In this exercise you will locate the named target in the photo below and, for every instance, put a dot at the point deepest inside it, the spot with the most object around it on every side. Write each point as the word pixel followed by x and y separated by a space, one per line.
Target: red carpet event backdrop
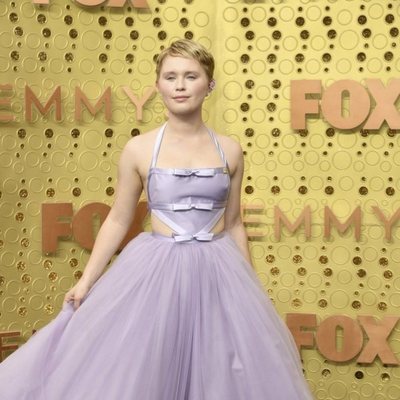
pixel 309 88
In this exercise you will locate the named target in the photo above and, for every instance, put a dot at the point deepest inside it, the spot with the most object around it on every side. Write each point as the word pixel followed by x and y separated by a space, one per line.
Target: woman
pixel 180 315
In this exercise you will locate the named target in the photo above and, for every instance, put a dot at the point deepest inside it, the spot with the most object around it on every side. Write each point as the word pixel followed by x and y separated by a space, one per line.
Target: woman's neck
pixel 185 126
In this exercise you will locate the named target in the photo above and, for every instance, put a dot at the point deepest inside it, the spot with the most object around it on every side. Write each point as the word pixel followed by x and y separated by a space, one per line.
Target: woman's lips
pixel 180 98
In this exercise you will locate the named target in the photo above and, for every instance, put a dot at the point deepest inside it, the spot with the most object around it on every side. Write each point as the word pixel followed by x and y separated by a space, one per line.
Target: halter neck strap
pixel 157 145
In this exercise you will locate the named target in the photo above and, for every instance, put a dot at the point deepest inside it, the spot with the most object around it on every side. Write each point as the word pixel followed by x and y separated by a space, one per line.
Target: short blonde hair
pixel 188 49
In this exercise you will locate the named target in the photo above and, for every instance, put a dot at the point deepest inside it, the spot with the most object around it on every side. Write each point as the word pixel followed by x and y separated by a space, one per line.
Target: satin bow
pixel 197 172
pixel 198 206
pixel 201 237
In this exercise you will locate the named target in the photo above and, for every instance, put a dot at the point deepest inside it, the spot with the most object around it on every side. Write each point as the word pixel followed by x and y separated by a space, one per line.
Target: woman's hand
pixel 77 293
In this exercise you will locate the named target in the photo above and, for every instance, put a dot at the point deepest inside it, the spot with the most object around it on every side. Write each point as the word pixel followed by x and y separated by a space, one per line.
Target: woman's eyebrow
pixel 177 72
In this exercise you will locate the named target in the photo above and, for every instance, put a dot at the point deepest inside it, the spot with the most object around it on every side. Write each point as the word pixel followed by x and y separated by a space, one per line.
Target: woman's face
pixel 183 85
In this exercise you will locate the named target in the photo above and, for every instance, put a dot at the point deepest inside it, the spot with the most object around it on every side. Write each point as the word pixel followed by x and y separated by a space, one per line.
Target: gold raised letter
pixel 5 102
pixel 295 323
pixel 300 103
pixel 139 103
pixel 388 223
pixel 105 99
pixel 8 347
pixel 249 221
pixel 304 217
pixel 332 101
pixel 30 98
pixel 327 338
pixel 331 218
pixel 90 3
pixel 52 228
pixel 385 108
pixel 378 332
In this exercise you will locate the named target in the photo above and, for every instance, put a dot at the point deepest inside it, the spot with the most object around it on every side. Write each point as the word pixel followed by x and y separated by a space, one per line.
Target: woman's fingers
pixel 71 298
pixel 66 298
pixel 75 296
pixel 76 303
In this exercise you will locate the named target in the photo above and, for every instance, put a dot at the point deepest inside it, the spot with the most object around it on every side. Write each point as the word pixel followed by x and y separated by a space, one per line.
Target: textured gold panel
pixel 259 47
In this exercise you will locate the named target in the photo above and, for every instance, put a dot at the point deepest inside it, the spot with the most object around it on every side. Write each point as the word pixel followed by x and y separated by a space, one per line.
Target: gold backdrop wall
pixel 260 46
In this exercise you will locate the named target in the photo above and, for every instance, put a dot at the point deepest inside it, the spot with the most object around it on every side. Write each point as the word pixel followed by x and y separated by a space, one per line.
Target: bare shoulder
pixel 139 148
pixel 140 142
pixel 232 149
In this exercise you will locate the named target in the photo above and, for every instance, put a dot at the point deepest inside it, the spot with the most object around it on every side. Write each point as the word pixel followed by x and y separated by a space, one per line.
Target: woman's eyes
pixel 191 77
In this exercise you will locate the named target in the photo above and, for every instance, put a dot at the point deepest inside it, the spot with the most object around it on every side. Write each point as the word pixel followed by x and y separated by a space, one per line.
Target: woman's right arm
pixel 115 226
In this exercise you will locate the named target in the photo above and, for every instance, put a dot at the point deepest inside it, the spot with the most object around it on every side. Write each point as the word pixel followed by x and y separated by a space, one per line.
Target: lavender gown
pixel 174 318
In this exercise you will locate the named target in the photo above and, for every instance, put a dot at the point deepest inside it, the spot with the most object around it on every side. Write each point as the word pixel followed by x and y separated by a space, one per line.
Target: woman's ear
pixel 211 85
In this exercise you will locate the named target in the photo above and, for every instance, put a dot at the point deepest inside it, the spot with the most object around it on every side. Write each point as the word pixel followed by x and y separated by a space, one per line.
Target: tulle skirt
pixel 167 321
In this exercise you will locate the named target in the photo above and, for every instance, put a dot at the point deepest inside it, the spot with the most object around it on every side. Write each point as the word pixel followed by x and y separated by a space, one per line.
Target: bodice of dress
pixel 188 200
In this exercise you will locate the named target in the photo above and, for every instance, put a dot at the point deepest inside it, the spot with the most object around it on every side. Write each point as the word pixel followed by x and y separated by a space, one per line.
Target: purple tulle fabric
pixel 167 321
pixel 174 318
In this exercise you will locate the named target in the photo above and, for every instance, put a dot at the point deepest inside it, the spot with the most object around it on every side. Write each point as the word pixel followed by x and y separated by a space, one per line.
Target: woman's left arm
pixel 233 219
